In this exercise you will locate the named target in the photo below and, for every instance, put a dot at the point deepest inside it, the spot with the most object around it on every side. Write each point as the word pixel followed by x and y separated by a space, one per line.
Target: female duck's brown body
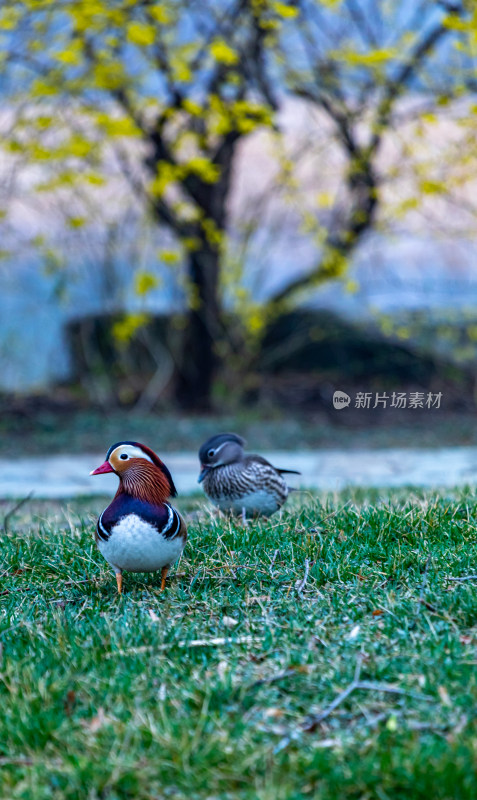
pixel 238 483
pixel 139 531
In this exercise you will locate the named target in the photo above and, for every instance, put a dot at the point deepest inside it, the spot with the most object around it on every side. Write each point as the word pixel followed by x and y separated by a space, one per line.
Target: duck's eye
pixel 210 453
pixel 124 456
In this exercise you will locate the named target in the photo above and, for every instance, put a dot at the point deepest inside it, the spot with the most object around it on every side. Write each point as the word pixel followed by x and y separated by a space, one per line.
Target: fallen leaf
pixel 303 669
pixel 258 657
pixel 326 743
pixel 96 722
pixel 273 713
pixel 153 615
pixel 69 702
pixel 377 612
pixel 229 622
pixel 222 667
pixel 391 724
pixel 315 641
pixel 258 598
pixel 277 730
pixel 354 633
pixel 444 695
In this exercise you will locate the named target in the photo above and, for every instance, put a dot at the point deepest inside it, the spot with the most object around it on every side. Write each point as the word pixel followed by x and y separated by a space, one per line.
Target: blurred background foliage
pixel 187 187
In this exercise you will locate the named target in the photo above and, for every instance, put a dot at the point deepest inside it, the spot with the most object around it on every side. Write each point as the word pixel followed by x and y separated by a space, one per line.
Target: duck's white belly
pixel 258 502
pixel 137 546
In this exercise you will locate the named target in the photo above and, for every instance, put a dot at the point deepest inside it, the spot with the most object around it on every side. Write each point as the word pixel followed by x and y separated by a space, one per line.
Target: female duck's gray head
pixel 225 448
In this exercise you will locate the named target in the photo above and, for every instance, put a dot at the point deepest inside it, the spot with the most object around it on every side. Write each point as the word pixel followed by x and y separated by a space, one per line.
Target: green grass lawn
pixel 223 686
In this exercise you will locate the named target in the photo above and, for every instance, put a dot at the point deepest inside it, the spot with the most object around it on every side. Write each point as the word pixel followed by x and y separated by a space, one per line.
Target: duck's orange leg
pixel 164 572
pixel 119 581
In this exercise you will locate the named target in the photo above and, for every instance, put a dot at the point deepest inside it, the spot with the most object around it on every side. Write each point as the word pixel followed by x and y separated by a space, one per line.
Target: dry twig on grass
pixel 14 510
pixel 278 676
pixel 311 723
pixel 215 642
pixel 35 588
pixel 302 583
pixel 16 761
pixel 276 553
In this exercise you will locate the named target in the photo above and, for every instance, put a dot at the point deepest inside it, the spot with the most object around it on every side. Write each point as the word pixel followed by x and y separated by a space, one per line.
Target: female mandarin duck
pixel 140 531
pixel 237 482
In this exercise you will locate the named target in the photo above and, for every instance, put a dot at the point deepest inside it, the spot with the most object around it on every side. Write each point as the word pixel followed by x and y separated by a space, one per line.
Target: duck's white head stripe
pixel 217 449
pixel 131 451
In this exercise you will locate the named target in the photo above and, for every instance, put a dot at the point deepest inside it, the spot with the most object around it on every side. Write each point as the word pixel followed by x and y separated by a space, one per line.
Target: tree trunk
pixel 204 330
pixel 199 358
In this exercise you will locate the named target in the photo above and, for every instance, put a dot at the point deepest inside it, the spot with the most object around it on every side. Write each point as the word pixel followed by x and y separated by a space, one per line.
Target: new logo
pixel 341 399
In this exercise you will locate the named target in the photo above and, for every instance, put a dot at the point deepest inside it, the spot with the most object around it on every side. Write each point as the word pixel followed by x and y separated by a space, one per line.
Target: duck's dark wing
pixel 261 460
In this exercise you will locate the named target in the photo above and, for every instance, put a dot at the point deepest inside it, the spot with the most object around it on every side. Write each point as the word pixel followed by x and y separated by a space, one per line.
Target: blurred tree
pixel 355 61
pixel 182 83
pixel 186 80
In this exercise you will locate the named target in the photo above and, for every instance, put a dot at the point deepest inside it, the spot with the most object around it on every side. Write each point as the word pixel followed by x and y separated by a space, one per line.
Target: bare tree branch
pixel 362 22
pixel 361 171
pixel 407 71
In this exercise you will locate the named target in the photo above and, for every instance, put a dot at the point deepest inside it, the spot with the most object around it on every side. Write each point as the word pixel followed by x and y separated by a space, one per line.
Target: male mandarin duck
pixel 140 531
pixel 240 483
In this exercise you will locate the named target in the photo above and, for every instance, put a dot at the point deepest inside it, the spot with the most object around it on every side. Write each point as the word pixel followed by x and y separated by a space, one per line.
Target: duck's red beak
pixel 106 467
